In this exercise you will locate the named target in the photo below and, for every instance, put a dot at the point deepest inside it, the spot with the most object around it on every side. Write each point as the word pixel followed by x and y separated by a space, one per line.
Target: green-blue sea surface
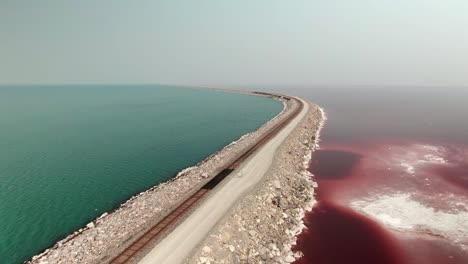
pixel 70 153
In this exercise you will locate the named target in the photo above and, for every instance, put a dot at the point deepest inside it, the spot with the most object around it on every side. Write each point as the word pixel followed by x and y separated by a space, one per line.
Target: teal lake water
pixel 70 153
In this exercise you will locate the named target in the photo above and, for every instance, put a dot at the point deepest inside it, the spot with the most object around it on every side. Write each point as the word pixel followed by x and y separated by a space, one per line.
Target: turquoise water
pixel 70 153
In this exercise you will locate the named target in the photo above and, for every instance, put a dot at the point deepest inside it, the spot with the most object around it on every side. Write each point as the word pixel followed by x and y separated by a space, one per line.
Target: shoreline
pixel 103 238
pixel 279 201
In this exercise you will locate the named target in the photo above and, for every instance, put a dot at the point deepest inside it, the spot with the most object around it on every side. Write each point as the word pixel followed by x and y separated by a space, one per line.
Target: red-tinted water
pixel 392 176
pixel 337 234
pixel 387 203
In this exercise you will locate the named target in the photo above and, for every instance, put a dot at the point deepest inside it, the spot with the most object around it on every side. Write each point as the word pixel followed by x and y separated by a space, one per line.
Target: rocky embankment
pixel 111 233
pixel 263 226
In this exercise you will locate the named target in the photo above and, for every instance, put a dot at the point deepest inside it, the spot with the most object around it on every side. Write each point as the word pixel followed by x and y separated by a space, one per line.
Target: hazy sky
pixel 232 43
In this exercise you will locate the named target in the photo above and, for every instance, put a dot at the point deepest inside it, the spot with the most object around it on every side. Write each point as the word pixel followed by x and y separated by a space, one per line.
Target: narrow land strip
pixel 156 233
pixel 177 246
pixel 262 226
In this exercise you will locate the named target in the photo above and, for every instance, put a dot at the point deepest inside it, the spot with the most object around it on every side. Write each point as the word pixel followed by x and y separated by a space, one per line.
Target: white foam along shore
pixel 103 238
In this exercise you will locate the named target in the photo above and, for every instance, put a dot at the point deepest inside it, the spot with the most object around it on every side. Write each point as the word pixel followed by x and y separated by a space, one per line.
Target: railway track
pixel 172 219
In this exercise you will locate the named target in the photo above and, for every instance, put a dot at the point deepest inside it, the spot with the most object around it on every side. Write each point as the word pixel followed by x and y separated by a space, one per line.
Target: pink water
pixel 397 203
pixel 392 176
